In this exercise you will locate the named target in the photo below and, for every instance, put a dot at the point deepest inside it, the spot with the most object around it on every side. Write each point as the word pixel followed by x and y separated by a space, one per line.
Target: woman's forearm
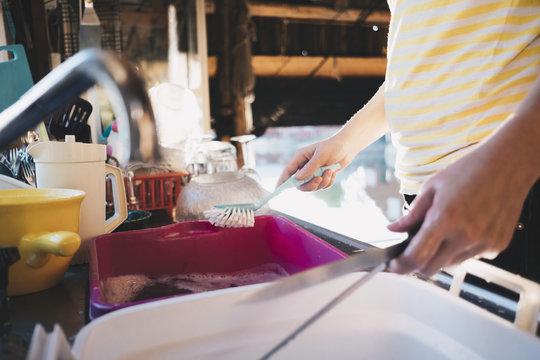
pixel 471 207
pixel 367 125
pixel 515 147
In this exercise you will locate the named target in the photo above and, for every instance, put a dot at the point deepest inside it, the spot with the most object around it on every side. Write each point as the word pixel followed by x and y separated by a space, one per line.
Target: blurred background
pixel 285 73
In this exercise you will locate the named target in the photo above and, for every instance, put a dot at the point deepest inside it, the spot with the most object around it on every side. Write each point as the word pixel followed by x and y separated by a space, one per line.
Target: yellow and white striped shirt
pixel 456 70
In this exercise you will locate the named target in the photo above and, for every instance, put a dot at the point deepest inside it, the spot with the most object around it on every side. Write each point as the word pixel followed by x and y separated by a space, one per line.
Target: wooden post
pixel 234 74
pixel 224 105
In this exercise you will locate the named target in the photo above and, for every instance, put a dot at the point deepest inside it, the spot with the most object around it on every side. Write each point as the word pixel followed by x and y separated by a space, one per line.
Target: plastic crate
pixel 198 247
pixel 156 192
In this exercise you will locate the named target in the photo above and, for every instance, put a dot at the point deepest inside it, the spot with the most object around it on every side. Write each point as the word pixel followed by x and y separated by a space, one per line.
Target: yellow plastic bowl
pixel 43 224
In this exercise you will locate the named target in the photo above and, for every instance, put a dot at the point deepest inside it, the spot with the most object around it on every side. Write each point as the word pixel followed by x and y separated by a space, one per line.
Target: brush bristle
pixel 231 217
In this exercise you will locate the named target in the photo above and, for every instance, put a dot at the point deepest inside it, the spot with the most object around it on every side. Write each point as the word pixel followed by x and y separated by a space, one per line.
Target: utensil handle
pixel 528 305
pixel 35 249
pixel 119 196
pixel 294 182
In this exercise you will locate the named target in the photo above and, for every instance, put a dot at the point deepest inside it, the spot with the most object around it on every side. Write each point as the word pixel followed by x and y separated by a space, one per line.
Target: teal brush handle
pixel 293 182
pixel 289 183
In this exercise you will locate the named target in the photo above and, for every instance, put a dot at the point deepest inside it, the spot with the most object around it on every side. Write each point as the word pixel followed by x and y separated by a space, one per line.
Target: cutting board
pixel 15 75
pixel 16 80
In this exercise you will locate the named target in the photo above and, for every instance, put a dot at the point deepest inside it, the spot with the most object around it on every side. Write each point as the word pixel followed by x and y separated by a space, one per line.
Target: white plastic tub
pixel 390 317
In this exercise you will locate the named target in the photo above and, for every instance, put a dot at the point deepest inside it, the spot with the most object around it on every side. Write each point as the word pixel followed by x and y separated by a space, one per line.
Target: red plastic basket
pixel 155 192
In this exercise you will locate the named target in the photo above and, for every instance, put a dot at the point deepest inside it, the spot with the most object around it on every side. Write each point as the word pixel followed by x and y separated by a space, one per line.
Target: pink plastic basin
pixel 199 247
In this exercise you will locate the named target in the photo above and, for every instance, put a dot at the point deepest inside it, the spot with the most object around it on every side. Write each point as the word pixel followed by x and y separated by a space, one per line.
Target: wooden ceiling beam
pixel 306 12
pixel 312 66
pixel 150 17
pixel 317 13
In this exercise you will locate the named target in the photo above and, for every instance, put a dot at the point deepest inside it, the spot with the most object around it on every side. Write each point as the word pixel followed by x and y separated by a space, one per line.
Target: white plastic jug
pixel 74 165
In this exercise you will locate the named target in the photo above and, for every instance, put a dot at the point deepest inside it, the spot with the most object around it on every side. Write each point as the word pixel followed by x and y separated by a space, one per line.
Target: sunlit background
pixel 364 199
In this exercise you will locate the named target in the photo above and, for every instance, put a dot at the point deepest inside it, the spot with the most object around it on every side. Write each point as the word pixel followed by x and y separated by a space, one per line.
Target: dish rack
pixel 421 320
pixel 155 192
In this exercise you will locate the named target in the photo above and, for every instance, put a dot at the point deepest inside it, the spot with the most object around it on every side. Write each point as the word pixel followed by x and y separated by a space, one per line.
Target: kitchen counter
pixel 67 303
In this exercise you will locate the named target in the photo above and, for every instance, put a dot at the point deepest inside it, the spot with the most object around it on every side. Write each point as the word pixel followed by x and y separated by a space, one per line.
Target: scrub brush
pixel 243 215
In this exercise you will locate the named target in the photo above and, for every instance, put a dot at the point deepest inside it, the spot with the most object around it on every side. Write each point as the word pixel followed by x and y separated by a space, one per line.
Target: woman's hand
pixel 362 129
pixel 470 209
pixel 308 159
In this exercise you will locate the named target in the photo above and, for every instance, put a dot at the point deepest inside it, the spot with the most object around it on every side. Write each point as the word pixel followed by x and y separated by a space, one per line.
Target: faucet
pixel 124 87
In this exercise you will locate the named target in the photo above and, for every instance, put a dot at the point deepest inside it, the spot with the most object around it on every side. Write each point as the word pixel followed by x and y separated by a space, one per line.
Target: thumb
pixel 416 215
pixel 309 168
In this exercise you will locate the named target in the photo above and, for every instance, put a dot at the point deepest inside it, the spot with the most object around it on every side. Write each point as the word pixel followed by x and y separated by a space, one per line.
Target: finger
pixel 329 178
pixel 332 180
pixel 326 179
pixel 309 168
pixel 288 171
pixel 422 248
pixel 312 185
pixel 415 216
pixel 489 254
pixel 465 255
pixel 451 253
pixel 444 256
pixel 300 158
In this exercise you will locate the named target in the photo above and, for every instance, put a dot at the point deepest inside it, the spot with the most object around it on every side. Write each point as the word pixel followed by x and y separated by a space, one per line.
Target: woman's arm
pixel 366 126
pixel 472 207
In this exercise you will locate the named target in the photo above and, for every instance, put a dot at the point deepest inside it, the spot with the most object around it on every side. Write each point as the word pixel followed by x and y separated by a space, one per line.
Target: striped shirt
pixel 457 69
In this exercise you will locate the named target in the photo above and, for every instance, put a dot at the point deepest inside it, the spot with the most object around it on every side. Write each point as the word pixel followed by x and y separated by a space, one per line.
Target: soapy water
pixel 135 287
